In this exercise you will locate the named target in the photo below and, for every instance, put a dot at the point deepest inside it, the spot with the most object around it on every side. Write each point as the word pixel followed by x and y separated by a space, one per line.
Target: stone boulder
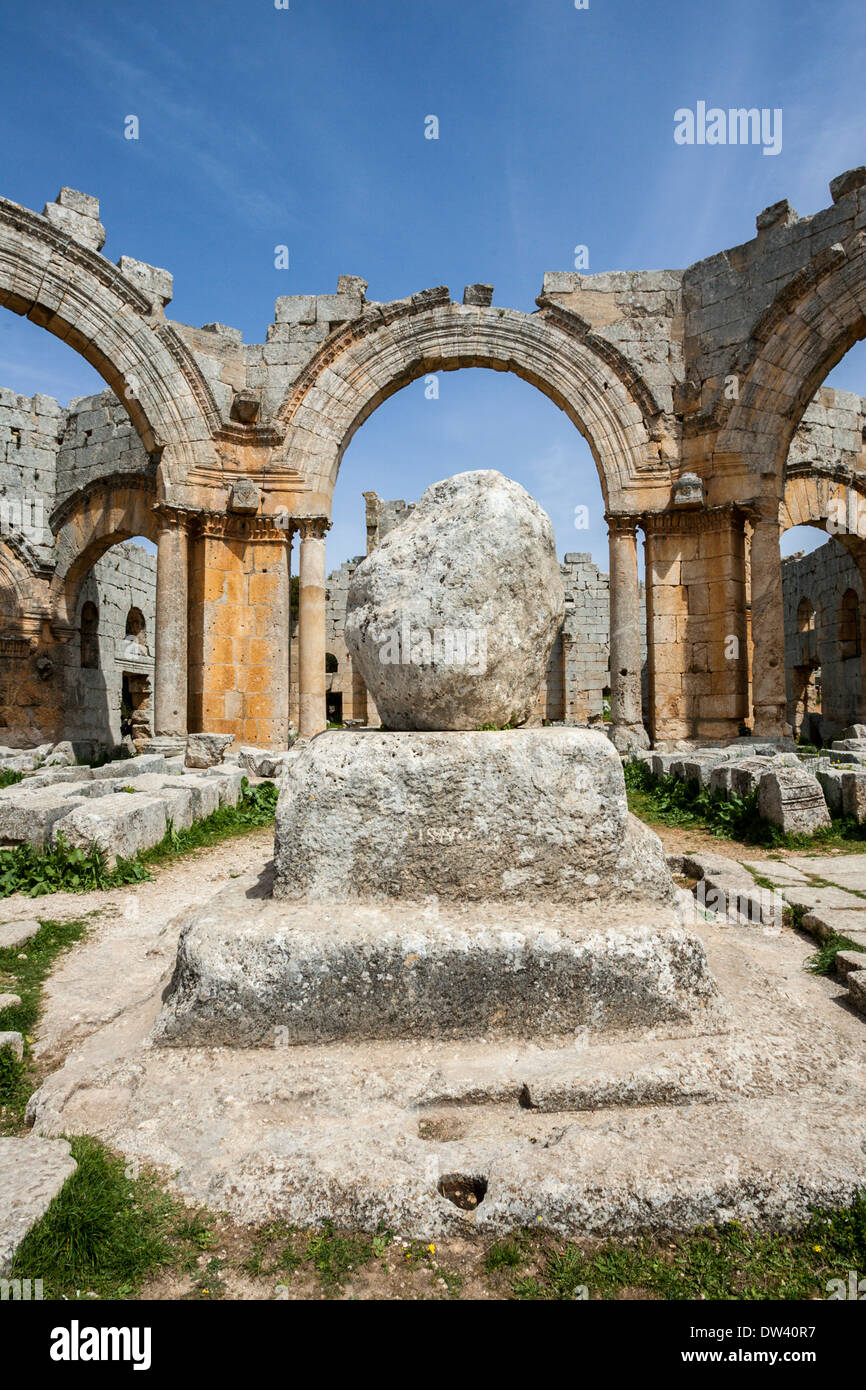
pixel 792 799
pixel 452 618
pixel 207 750
pixel 521 815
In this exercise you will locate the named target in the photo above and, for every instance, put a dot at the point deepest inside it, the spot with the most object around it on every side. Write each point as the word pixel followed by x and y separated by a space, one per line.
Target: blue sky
pixel 305 127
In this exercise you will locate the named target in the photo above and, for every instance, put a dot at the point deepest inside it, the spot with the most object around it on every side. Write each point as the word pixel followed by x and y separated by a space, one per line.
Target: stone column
pixel 625 645
pixel 769 690
pixel 170 673
pixel 312 715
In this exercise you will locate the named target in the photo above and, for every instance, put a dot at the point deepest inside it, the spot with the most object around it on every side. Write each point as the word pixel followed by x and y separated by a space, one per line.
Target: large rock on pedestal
pixel 451 619
pixel 520 815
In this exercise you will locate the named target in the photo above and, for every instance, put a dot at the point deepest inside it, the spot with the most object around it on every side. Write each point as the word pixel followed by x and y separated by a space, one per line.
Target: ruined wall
pixel 123 580
pixel 48 453
pixel 824 658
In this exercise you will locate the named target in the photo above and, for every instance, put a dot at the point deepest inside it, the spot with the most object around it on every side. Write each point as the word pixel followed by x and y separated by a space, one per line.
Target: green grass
pixel 728 1262
pixel 26 977
pixel 8 778
pixel 113 1228
pixel 62 869
pixel 105 1232
pixel 823 962
pixel 671 801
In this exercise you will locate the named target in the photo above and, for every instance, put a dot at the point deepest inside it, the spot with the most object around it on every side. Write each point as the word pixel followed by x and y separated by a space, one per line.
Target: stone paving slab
pixel 14 934
pixel 32 1172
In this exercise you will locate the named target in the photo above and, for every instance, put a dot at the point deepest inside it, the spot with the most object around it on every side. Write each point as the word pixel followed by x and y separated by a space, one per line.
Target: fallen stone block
pixel 15 1042
pixel 61 755
pixel 32 1172
pixel 55 776
pixel 230 783
pixel 856 983
pixel 830 779
pixel 30 817
pixel 207 750
pixel 264 762
pixel 661 764
pixel 854 795
pixel 846 961
pixel 120 825
pixel 204 790
pixel 14 934
pixel 131 767
pixel 180 803
pixel 793 800
pixel 9 1001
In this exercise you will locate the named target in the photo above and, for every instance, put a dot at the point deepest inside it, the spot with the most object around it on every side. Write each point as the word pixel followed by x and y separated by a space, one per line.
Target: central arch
pixel 393 345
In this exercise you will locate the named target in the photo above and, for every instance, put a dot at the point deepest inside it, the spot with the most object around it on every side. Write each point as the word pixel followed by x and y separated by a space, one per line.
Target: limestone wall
pixel 823 653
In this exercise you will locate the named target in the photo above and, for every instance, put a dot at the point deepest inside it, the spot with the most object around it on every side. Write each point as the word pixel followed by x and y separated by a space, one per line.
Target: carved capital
pixel 312 528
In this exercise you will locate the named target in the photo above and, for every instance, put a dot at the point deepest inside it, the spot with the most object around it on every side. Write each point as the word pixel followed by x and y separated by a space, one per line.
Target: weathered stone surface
pixel 856 982
pixel 30 817
pixel 207 750
pixel 793 800
pixel 526 814
pixel 131 767
pixel 830 779
pixel 32 1172
pixel 854 795
pixel 120 825
pixel 14 934
pixel 9 1001
pixel 452 617
pixel 846 961
pixel 263 973
pixel 265 762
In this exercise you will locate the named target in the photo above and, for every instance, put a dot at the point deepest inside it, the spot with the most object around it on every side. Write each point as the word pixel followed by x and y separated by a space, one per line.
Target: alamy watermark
pixel 439 646
pixel 715 125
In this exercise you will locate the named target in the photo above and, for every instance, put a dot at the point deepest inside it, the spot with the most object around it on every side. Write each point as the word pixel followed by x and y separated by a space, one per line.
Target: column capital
pixel 311 528
pixel 171 518
pixel 622 524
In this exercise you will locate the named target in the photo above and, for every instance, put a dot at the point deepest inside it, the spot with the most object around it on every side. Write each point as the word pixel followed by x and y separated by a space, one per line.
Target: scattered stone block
pixel 830 779
pixel 31 817
pixel 854 795
pixel 856 983
pixel 131 767
pixel 32 1172
pixel 792 799
pixel 14 934
pixel 207 750
pixel 846 961
pixel 9 1001
pixel 120 825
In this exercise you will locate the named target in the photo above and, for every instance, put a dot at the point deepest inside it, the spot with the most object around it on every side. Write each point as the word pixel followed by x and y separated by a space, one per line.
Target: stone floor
pixel 756 1123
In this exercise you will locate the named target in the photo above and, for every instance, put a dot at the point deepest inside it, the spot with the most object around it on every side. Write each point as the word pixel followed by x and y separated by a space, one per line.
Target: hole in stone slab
pixel 465 1191
pixel 524 1100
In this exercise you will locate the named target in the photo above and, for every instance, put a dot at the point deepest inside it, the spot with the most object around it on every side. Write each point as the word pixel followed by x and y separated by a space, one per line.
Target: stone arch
pixel 89 523
pixel 75 293
pixel 816 318
pixel 389 347
pixel 835 503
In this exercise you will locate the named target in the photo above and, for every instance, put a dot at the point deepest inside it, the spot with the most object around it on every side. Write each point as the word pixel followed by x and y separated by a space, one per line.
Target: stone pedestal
pixel 446 885
pixel 522 815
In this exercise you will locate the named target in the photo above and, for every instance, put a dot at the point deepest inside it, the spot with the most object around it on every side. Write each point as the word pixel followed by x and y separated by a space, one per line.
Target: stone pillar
pixel 172 584
pixel 312 717
pixel 625 645
pixel 769 686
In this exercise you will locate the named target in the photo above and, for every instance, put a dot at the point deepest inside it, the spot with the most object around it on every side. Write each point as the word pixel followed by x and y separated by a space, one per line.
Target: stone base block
pixel 527 815
pixel 260 973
